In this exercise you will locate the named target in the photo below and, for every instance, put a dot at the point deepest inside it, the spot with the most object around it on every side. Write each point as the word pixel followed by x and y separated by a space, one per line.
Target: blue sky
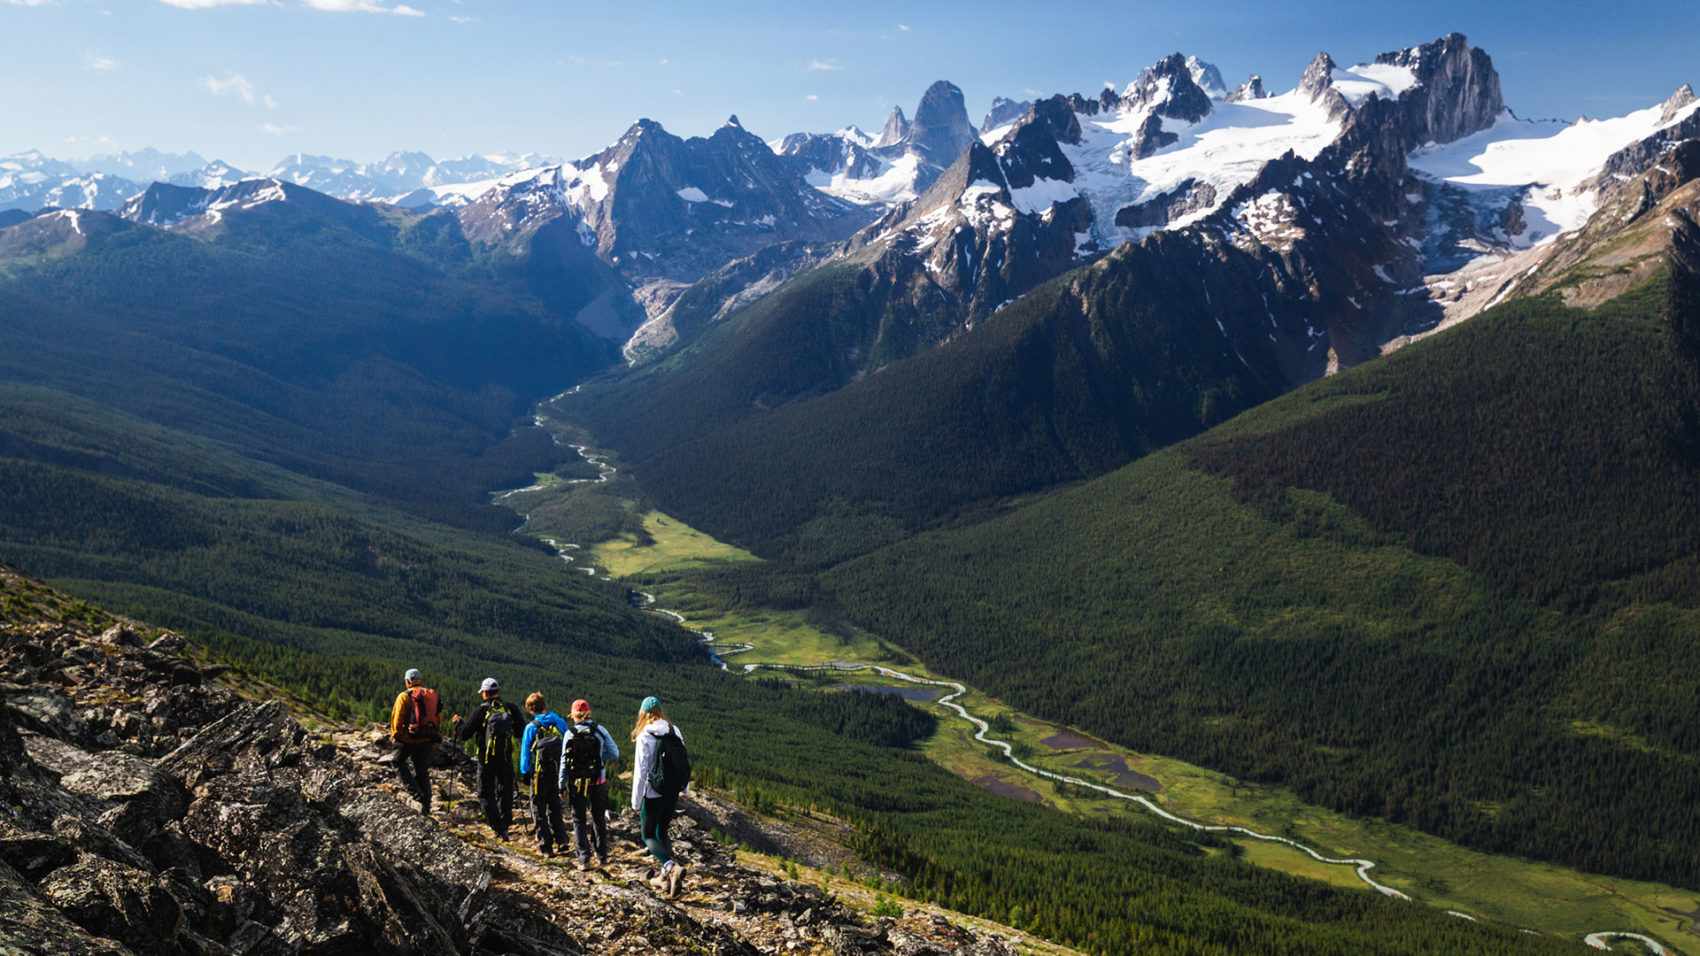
pixel 250 82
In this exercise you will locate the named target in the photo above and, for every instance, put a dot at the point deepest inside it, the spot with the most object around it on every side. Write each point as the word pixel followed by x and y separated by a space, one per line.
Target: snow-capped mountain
pixel 1449 194
pixel 899 164
pixel 401 178
pixel 144 166
pixel 658 207
pixel 1004 112
pixel 1339 211
pixel 32 181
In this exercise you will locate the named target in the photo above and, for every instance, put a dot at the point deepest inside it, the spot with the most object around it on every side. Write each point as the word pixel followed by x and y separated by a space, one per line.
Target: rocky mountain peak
pixel 1318 77
pixel 895 131
pixel 1057 118
pixel 941 128
pixel 1207 77
pixel 1167 88
pixel 1678 101
pixel 1003 112
pixel 1457 89
pixel 1251 89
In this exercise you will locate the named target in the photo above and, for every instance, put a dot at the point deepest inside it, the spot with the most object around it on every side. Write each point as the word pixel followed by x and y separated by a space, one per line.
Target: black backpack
pixel 498 733
pixel 582 756
pixel 672 770
pixel 545 755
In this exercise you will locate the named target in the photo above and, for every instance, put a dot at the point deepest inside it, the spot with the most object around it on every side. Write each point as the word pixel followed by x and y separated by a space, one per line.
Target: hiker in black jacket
pixel 496 725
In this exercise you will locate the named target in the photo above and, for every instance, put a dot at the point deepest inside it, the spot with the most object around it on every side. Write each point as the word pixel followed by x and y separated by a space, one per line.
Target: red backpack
pixel 422 722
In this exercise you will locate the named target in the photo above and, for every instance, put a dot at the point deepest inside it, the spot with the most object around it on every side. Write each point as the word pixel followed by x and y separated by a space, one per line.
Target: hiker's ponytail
pixel 646 718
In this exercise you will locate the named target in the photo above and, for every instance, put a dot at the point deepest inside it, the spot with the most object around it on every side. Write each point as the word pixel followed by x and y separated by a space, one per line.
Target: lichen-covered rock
pixel 34 855
pixel 30 924
pixel 137 798
pixel 117 902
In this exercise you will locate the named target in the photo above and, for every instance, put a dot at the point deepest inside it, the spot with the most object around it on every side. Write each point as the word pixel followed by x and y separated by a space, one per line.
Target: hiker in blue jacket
pixel 540 769
pixel 585 755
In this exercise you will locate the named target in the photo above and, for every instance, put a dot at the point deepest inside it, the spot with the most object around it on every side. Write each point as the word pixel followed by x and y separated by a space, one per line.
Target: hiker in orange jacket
pixel 413 728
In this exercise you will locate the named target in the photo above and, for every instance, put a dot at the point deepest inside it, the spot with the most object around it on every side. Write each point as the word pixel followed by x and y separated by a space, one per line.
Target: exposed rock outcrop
pixel 1251 89
pixel 941 129
pixel 147 809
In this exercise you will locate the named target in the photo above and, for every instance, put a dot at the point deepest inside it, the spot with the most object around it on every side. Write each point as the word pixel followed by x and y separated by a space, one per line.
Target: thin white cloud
pixel 811 97
pixel 463 19
pixel 363 6
pixel 904 27
pixel 30 3
pixel 237 85
pixel 272 129
pixel 828 65
pixel 208 4
pixel 96 62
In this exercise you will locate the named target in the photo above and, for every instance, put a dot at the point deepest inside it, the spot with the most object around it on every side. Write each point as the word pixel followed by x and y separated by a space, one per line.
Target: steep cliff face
pixel 146 808
pixel 1456 91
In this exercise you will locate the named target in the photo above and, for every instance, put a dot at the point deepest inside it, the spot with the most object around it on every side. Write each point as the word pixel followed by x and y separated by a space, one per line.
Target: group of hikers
pixel 558 757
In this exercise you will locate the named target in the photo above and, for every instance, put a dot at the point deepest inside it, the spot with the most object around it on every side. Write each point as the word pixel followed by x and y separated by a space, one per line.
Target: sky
pixel 252 81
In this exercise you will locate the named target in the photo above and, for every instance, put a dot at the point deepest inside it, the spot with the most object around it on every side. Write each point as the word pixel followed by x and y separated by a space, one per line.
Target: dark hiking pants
pixel 413 769
pixel 550 826
pixel 496 795
pixel 590 836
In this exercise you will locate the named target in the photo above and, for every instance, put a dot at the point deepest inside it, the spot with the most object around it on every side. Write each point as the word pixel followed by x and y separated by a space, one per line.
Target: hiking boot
pixel 583 865
pixel 549 852
pixel 675 879
pixel 602 861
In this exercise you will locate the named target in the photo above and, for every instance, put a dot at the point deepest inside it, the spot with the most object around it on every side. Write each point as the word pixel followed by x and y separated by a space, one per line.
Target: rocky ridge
pixel 149 808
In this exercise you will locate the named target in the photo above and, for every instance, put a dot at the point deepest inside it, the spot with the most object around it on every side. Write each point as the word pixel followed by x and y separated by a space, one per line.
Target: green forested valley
pixel 1453 588
pixel 283 472
pixel 1075 378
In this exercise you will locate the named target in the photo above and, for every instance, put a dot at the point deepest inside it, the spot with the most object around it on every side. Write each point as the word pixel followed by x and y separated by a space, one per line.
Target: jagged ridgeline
pixel 1000 370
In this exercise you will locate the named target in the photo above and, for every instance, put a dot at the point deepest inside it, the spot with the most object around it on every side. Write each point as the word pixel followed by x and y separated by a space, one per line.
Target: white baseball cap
pixel 490 684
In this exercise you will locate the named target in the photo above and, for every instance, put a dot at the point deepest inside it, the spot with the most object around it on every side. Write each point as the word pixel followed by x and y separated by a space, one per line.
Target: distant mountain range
pixel 32 181
pixel 1039 188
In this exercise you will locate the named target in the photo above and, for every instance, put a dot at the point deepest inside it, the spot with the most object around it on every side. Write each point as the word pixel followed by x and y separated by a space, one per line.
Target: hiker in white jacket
pixel 656 808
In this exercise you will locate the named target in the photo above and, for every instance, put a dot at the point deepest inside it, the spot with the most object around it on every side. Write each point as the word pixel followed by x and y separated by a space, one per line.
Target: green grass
pixel 674 547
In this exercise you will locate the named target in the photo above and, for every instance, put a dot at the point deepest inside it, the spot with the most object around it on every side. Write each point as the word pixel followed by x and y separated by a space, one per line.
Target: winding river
pixel 717 653
pixel 1362 867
